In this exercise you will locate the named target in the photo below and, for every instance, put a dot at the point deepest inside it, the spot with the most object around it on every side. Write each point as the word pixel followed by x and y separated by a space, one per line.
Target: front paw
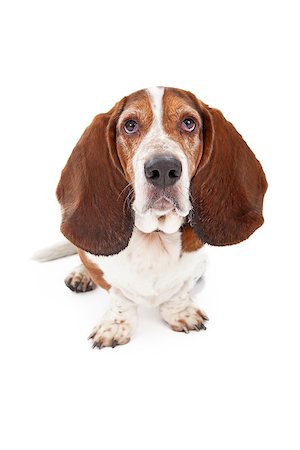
pixel 111 333
pixel 190 318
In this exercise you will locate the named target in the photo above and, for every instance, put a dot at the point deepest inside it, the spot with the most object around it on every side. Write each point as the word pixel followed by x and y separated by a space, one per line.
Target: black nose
pixel 163 171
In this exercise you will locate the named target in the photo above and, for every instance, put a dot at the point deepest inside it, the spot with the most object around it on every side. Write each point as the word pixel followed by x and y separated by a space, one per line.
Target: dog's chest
pixel 152 268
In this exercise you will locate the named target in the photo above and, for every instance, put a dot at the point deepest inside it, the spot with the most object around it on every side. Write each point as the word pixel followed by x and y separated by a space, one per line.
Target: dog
pixel 147 186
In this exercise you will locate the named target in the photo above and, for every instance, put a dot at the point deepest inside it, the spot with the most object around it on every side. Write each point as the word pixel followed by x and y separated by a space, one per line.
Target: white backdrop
pixel 235 386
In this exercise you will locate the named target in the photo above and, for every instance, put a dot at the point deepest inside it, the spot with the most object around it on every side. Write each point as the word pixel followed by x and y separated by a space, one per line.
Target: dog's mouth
pixel 163 210
pixel 163 205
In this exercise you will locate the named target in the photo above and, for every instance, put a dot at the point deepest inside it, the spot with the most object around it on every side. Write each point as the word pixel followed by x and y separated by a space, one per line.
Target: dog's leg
pixel 79 280
pixel 182 314
pixel 117 324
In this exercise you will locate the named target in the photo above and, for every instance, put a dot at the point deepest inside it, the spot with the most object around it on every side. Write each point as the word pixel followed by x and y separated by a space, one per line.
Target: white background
pixel 235 386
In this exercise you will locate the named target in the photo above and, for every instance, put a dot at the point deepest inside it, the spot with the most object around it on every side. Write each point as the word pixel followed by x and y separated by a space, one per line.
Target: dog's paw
pixel 190 318
pixel 111 333
pixel 79 281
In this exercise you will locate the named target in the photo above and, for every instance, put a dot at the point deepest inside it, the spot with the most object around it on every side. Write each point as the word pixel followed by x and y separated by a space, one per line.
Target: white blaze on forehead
pixel 156 141
pixel 156 99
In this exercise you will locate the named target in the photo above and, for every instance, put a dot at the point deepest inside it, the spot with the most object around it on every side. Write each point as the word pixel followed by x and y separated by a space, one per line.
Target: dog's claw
pixel 98 345
pixel 202 315
pixel 114 343
pixel 90 286
pixel 91 335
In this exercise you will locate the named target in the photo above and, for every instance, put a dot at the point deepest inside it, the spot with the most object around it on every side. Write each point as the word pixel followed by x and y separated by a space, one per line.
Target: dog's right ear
pixel 92 190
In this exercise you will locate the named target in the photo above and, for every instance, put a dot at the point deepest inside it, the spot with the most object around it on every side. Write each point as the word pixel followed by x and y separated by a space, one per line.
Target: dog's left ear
pixel 228 187
pixel 92 190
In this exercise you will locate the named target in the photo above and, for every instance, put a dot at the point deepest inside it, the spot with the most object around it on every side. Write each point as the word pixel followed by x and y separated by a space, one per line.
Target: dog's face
pixel 159 142
pixel 160 157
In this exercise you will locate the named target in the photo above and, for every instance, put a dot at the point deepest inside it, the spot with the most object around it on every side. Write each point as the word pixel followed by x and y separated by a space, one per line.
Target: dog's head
pixel 158 158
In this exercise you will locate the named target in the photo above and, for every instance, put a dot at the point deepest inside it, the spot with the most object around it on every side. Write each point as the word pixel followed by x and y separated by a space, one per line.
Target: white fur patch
pixel 152 269
pixel 156 98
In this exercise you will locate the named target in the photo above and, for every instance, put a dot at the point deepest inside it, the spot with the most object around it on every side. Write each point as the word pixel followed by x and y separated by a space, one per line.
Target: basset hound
pixel 147 186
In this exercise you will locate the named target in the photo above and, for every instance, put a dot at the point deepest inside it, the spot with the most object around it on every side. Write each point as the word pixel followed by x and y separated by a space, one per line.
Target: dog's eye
pixel 188 124
pixel 131 126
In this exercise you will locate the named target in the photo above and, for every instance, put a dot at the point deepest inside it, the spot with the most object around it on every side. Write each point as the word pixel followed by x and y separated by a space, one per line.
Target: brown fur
pixel 94 271
pixel 189 240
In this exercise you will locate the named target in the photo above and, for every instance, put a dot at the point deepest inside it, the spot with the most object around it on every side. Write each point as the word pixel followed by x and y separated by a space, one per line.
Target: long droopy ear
pixel 228 187
pixel 92 191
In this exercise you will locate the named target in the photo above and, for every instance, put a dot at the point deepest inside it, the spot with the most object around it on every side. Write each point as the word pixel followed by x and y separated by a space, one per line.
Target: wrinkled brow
pixel 137 105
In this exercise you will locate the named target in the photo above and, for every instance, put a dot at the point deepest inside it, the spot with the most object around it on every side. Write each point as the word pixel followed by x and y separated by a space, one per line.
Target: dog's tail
pixel 56 251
